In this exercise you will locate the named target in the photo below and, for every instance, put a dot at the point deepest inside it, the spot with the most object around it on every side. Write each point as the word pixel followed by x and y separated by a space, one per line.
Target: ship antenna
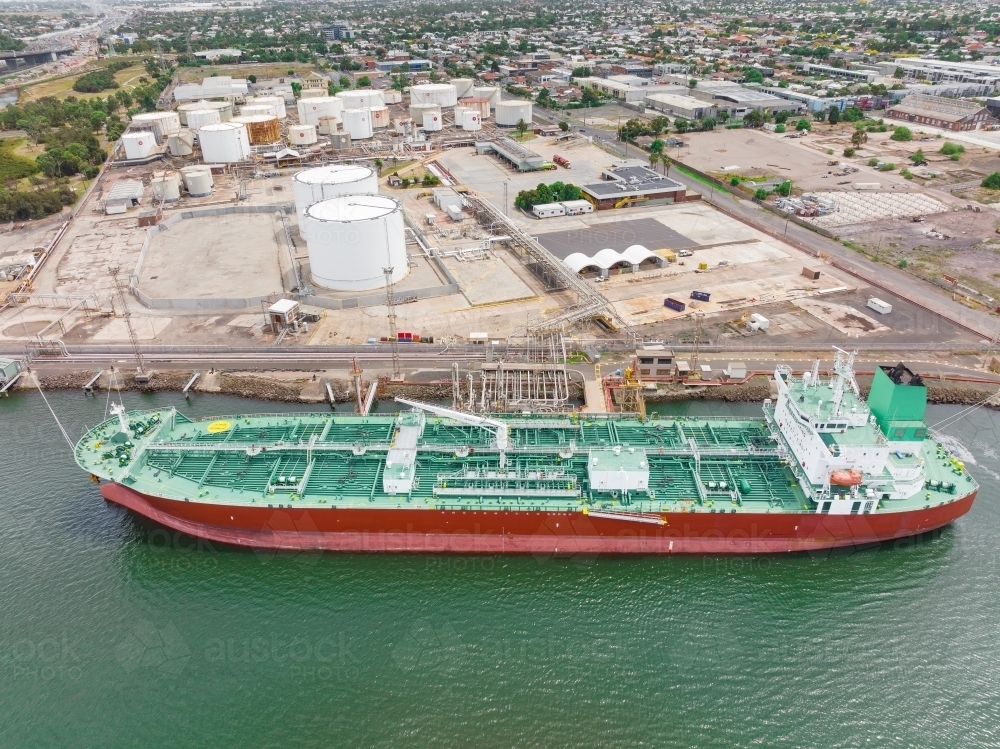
pixel 69 442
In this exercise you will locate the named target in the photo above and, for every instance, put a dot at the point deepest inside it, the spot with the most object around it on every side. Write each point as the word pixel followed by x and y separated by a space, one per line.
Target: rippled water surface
pixel 113 633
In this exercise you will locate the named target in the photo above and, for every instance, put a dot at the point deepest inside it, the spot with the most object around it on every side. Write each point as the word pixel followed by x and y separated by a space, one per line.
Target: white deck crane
pixel 497 427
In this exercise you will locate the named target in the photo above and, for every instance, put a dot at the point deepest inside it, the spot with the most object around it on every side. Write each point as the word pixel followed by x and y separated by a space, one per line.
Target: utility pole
pixel 390 301
pixel 695 372
pixel 122 288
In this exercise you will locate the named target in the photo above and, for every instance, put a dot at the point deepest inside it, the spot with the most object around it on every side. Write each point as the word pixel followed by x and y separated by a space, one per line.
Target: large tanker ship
pixel 820 468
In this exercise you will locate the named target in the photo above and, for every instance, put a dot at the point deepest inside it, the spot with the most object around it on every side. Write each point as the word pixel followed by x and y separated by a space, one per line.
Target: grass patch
pixel 698 178
pixel 13 166
pixel 62 87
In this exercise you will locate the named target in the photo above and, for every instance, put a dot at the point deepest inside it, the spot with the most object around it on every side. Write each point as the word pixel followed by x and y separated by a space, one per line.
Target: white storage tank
pixel 459 113
pixel 380 117
pixel 224 108
pixel 510 112
pixel 138 145
pixel 352 238
pixel 472 121
pixel 417 112
pixel 328 125
pixel 487 92
pixel 312 93
pixel 276 105
pixel 433 121
pixel 225 143
pixel 463 86
pixel 402 125
pixel 479 104
pixel 334 181
pixel 166 188
pixel 362 98
pixel 392 96
pixel 358 122
pixel 197 118
pixel 442 94
pixel 197 180
pixel 252 110
pixel 311 110
pixel 181 144
pixel 161 123
pixel 302 135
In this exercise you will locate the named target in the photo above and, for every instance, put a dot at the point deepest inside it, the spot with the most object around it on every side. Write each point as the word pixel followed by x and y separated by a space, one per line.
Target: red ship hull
pixel 564 533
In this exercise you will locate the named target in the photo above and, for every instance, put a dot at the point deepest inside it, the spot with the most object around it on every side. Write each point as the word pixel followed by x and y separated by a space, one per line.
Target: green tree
pixel 760 194
pixel 543 99
pixel 564 126
pixel 754 118
pixel 899 73
pixel 917 156
pixel 992 182
pixel 803 124
pixel 378 166
pixel 834 116
pixel 681 125
pixel 296 89
pixel 951 149
pixel 752 75
pixel 902 134
pixel 252 78
pixel 859 138
pixel 657 146
pixel 521 127
pixel 364 81
pixel 784 189
pixel 708 123
pixel 345 82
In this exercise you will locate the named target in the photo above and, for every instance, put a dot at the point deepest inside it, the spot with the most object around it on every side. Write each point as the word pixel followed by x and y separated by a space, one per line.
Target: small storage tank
pixel 329 125
pixel 166 188
pixel 487 92
pixel 402 125
pixel 138 145
pixel 362 98
pixel 472 121
pixel 302 135
pixel 459 113
pixel 225 143
pixel 276 105
pixel 310 110
pixel 325 182
pixel 161 123
pixel 392 96
pixel 358 122
pixel 197 180
pixel 262 128
pixel 510 112
pixel 200 117
pixel 463 86
pixel 442 94
pixel 433 121
pixel 352 238
pixel 417 112
pixel 380 117
pixel 181 144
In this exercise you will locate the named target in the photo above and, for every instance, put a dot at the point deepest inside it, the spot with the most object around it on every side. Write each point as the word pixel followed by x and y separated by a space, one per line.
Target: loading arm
pixel 495 426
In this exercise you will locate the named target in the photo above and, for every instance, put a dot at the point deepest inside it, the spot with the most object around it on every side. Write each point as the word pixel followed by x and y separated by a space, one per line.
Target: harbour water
pixel 116 633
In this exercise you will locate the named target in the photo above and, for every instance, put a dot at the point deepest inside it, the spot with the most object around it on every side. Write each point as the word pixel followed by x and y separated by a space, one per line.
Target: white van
pixel 883 308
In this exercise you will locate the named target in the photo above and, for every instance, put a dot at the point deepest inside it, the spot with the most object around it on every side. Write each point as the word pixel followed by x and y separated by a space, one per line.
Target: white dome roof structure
pixel 607 259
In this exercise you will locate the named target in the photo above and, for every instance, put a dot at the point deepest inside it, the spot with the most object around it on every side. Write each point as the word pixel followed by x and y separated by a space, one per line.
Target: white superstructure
pixel 442 94
pixel 352 239
pixel 138 145
pixel 358 123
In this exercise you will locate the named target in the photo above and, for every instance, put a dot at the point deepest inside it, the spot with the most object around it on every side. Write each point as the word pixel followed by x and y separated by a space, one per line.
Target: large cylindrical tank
pixel 276 105
pixel 311 110
pixel 225 143
pixel 262 128
pixel 417 112
pixel 138 145
pixel 161 123
pixel 197 118
pixel 197 180
pixel 351 239
pixel 334 181
pixel 442 94
pixel 181 144
pixel 463 86
pixel 459 113
pixel 224 108
pixel 511 111
pixel 380 117
pixel 487 92
pixel 433 121
pixel 167 189
pixel 329 125
pixel 392 96
pixel 472 120
pixel 301 135
pixel 361 98
pixel 312 93
pixel 358 122
pixel 402 125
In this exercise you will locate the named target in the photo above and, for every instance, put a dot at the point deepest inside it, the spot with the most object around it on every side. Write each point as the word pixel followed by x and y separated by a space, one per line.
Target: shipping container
pixel 883 308
pixel 701 296
pixel 810 273
pixel 674 304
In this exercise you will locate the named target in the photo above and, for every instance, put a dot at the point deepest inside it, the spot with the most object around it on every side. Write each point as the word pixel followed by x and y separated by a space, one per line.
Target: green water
pixel 115 634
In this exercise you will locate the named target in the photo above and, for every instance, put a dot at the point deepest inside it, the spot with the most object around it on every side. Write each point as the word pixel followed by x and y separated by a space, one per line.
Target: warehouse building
pixel 628 88
pixel 217 87
pixel 942 71
pixel 521 158
pixel 938 111
pixel 681 105
pixel 628 185
pixel 738 100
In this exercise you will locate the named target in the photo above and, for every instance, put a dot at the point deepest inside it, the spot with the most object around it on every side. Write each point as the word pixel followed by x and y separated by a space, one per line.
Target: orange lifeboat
pixel 852 477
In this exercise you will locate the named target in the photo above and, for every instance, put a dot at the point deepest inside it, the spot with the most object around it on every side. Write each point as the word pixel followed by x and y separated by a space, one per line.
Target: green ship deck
pixel 325 460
